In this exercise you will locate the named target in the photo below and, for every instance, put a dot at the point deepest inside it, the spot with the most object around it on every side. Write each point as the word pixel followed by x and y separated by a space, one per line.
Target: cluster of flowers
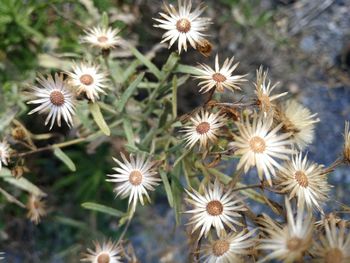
pixel 263 137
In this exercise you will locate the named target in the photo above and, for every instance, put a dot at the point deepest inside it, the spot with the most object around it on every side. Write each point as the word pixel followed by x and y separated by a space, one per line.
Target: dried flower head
pixel 183 25
pixel 260 144
pixel 334 245
pixel 346 150
pixel 134 178
pixel 36 208
pixel 107 253
pixel 229 248
pixel 219 78
pixel 305 180
pixel 103 38
pixel 205 47
pixel 204 127
pixel 287 243
pixel 214 208
pixel 4 153
pixel 263 91
pixel 88 79
pixel 299 121
pixel 55 98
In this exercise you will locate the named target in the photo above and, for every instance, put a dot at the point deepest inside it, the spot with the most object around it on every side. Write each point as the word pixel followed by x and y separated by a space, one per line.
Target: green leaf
pixel 170 64
pixel 167 187
pixel 105 20
pixel 98 117
pixel 146 62
pixel 129 91
pixel 129 132
pixel 21 183
pixel 103 209
pixel 187 69
pixel 64 158
pixel 174 97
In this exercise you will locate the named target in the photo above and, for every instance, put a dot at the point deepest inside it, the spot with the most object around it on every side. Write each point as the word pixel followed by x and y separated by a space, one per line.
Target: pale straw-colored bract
pixel 214 208
pixel 183 25
pixel 100 37
pixel 263 90
pixel 229 247
pixel 88 79
pixel 108 252
pixel 334 244
pixel 287 243
pixel 219 78
pixel 304 180
pixel 4 153
pixel 299 121
pixel 134 178
pixel 346 149
pixel 54 97
pixel 204 127
pixel 36 208
pixel 260 144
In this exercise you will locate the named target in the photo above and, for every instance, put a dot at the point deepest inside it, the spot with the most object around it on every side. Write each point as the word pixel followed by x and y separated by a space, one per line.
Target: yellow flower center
pixel 218 77
pixel 102 39
pixel 215 208
pixel 334 255
pixel 203 127
pixel 57 98
pixel 301 178
pixel 135 178
pixel 86 79
pixel 257 144
pixel 220 247
pixel 103 258
pixel 183 25
pixel 294 243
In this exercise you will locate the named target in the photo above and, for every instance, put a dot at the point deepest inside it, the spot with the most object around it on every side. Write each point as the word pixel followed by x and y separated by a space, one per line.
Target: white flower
pixel 229 248
pixel 334 245
pixel 219 78
pixel 260 144
pixel 287 243
pixel 4 153
pixel 107 253
pixel 88 78
pixel 1 255
pixel 183 25
pixel 304 180
pixel 204 127
pixel 263 91
pixel 104 38
pixel 134 178
pixel 54 97
pixel 214 208
pixel 299 121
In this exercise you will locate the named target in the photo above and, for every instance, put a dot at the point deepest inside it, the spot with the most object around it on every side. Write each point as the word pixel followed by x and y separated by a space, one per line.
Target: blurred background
pixel 305 44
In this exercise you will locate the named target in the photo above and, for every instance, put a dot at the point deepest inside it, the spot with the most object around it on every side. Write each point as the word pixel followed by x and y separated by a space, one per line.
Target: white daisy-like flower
pixel 305 180
pixel 289 242
pixel 260 144
pixel 54 97
pixel 334 245
pixel 263 91
pixel 109 252
pixel 183 25
pixel 4 153
pixel 88 79
pixel 230 248
pixel 299 121
pixel 204 127
pixel 134 178
pixel 214 208
pixel 219 78
pixel 36 208
pixel 103 38
pixel 346 150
